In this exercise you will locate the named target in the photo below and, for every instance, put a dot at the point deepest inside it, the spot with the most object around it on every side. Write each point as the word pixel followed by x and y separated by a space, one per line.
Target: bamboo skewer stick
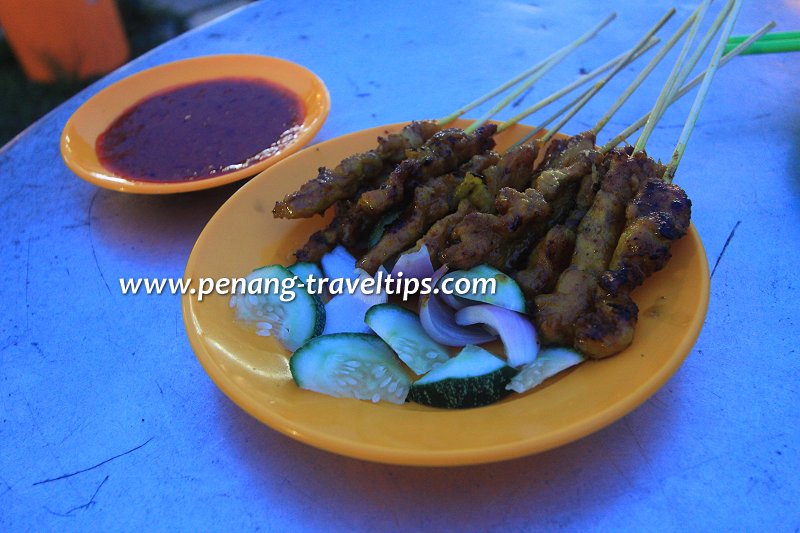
pixel 543 125
pixel 553 60
pixel 575 105
pixel 669 86
pixel 704 42
pixel 741 47
pixel 574 85
pixel 533 70
pixel 669 173
pixel 642 76
pixel 599 85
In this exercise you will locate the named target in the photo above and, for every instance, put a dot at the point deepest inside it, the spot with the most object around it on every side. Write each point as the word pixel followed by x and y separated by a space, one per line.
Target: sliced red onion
pixel 414 264
pixel 439 322
pixel 339 264
pixel 516 331
pixel 440 272
pixel 456 302
pixel 372 296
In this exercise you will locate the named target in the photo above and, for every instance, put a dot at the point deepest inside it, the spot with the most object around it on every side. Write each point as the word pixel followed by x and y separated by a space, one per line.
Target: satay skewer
pixel 372 204
pixel 548 258
pixel 659 214
pixel 487 236
pixel 561 316
pixel 502 239
pixel 333 185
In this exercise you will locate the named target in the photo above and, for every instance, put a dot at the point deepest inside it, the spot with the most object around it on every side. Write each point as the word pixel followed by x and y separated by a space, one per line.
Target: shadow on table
pixel 547 488
pixel 151 229
pixel 794 156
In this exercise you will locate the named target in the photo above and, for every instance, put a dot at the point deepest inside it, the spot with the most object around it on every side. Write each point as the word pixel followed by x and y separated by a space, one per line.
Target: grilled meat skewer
pixel 316 195
pixel 439 198
pixel 481 237
pixel 432 201
pixel 484 238
pixel 326 239
pixel 553 253
pixel 441 154
pixel 658 215
pixel 445 149
pixel 596 239
pixel 549 258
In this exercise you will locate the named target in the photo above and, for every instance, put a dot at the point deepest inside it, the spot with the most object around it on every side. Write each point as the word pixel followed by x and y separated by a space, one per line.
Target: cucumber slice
pixel 291 322
pixel 507 293
pixel 473 378
pixel 350 365
pixel 550 362
pixel 304 270
pixel 402 330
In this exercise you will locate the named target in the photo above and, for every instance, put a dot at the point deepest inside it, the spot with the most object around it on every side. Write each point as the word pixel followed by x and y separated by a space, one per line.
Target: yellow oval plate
pixel 90 120
pixel 254 372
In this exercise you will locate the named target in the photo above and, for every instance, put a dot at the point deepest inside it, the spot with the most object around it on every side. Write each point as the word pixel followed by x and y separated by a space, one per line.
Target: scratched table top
pixel 109 422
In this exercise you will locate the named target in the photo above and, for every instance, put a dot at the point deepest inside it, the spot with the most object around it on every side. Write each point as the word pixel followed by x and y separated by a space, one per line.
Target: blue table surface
pixel 106 387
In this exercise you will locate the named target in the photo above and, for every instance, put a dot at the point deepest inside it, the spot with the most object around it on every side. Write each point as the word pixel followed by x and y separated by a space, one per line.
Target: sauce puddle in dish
pixel 201 130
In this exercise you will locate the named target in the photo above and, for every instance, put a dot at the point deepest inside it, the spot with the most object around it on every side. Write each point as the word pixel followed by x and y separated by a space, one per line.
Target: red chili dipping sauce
pixel 201 130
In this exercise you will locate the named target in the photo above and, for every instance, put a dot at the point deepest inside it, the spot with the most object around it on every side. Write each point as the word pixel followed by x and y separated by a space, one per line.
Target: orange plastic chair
pixel 58 39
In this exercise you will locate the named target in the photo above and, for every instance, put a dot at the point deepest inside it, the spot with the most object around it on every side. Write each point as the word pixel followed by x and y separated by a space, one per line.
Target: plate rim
pixel 449 457
pixel 133 186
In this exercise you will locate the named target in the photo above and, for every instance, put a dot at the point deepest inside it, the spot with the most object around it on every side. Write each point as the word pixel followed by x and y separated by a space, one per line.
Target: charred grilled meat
pixel 435 239
pixel 659 214
pixel 441 154
pixel 597 236
pixel 482 237
pixel 553 253
pixel 549 258
pixel 315 196
pixel 513 170
pixel 556 181
pixel 432 201
pixel 326 239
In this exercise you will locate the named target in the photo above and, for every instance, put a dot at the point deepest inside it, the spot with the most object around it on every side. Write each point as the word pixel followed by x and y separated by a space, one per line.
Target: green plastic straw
pixel 790 43
pixel 776 36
